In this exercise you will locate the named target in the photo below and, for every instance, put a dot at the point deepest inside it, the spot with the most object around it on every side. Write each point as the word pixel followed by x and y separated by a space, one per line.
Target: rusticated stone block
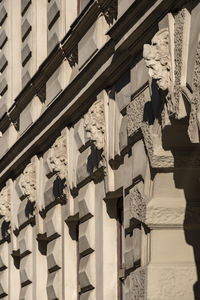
pixel 137 284
pixel 52 42
pixel 25 5
pixel 170 281
pixel 80 134
pixel 26 293
pixel 135 114
pixel 123 133
pixel 82 165
pixel 3 39
pixel 87 237
pixel 3 284
pixel 26 54
pixel 3 256
pixel 123 91
pixel 123 5
pixel 26 240
pixel 132 249
pixel 26 269
pixel 90 295
pixel 83 4
pixel 3 15
pixel 30 114
pixel 86 201
pixel 139 76
pixel 53 15
pixel 87 272
pixel 7 140
pixel 139 161
pixel 3 63
pixel 53 286
pixel 54 86
pixel 53 222
pixel 87 46
pixel 54 190
pixel 3 86
pixel 88 163
pixel 54 254
pixel 25 79
pixel 134 205
pixel 26 28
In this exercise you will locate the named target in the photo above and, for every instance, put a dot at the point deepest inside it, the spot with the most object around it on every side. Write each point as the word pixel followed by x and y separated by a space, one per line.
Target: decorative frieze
pixel 95 124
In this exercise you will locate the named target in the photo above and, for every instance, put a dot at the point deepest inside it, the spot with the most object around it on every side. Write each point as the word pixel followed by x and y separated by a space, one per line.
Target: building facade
pixel 99 150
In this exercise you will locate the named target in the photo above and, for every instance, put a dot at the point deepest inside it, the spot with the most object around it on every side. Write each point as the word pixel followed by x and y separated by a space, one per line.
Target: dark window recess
pixel 120 235
pixel 24 6
pixel 53 15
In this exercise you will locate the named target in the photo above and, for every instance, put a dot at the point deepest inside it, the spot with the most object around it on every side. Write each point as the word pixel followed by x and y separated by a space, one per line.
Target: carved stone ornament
pixel 109 10
pixel 194 121
pixel 5 203
pixel 95 124
pixel 57 157
pixel 173 80
pixel 73 57
pixel 27 182
pixel 158 59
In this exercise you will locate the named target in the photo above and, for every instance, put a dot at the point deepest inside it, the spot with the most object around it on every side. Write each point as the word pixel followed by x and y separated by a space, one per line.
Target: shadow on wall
pixel 186 172
pixel 188 179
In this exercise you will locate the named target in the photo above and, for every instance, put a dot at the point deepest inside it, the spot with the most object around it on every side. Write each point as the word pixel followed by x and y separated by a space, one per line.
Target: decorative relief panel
pixel 167 62
pixel 95 124
pixel 27 182
pixel 5 203
pixel 109 10
pixel 57 157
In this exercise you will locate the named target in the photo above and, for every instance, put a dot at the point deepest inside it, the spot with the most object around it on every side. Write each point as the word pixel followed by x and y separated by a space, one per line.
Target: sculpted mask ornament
pixel 95 124
pixel 57 157
pixel 158 60
pixel 5 203
pixel 27 182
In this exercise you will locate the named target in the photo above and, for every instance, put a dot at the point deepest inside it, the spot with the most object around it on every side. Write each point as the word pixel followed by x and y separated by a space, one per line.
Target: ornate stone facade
pixel 99 180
